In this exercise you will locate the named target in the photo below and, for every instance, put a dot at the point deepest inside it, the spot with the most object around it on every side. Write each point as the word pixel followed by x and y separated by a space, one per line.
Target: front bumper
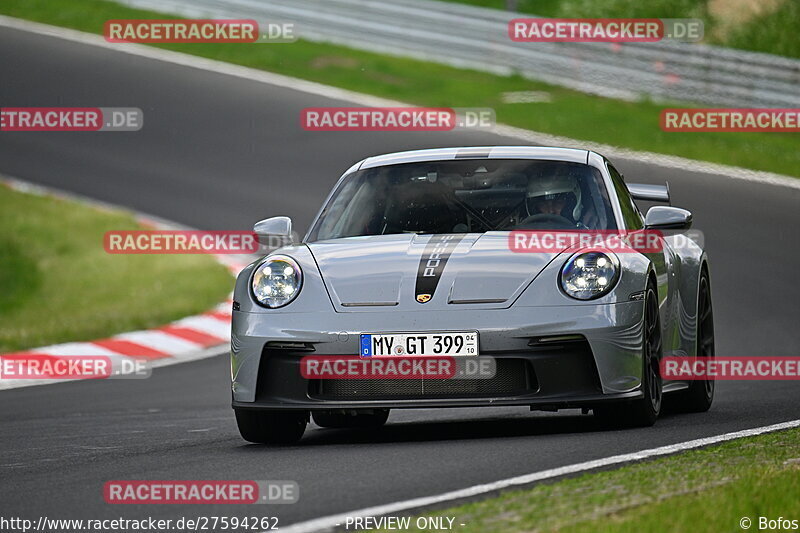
pixel 603 364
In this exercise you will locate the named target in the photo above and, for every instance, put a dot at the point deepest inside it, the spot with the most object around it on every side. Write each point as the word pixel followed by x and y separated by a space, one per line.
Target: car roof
pixel 475 152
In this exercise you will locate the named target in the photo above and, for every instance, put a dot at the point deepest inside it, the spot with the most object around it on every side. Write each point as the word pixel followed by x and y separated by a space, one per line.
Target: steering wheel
pixel 546 221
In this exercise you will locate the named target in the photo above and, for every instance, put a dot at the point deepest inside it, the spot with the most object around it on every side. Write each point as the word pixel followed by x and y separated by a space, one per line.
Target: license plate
pixel 452 343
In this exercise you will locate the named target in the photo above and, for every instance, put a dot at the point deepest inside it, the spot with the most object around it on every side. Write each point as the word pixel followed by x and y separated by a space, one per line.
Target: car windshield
pixel 466 196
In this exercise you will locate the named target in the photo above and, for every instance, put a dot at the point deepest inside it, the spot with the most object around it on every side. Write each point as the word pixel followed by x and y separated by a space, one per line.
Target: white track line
pixel 220 67
pixel 330 522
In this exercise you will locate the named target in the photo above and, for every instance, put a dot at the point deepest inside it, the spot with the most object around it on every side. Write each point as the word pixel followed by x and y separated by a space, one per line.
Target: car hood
pixel 413 272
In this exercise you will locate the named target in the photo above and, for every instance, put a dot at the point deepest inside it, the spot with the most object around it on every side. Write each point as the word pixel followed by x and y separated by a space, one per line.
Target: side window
pixel 630 213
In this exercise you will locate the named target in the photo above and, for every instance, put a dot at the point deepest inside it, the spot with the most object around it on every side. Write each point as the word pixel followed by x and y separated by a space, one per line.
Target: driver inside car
pixel 553 202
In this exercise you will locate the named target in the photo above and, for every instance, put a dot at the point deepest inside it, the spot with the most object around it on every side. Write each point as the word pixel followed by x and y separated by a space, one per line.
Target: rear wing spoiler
pixel 653 193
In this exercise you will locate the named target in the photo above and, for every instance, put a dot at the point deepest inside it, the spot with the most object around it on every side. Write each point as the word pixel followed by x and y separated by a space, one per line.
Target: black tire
pixel 328 419
pixel 271 427
pixel 700 394
pixel 644 411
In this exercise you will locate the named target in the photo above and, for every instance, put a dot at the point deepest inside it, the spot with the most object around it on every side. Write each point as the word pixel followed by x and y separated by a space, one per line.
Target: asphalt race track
pixel 218 152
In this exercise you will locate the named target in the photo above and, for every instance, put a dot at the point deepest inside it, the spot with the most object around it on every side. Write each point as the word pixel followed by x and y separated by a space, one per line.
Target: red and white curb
pixel 188 339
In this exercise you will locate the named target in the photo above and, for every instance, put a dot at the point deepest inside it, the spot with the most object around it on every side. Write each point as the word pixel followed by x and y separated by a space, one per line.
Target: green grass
pixel 774 33
pixel 572 114
pixel 58 284
pixel 707 490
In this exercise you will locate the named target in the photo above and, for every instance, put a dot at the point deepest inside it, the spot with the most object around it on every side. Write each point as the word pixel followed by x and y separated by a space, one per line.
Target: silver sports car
pixel 503 254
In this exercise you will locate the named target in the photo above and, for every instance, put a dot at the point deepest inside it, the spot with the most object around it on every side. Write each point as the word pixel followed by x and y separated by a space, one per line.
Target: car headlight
pixel 589 275
pixel 276 281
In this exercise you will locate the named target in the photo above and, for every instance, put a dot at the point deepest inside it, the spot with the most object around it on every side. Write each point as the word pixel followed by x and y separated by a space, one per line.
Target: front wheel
pixel 700 394
pixel 644 411
pixel 271 427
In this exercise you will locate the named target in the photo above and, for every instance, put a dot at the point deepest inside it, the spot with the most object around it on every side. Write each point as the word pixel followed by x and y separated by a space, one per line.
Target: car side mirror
pixel 280 226
pixel 664 217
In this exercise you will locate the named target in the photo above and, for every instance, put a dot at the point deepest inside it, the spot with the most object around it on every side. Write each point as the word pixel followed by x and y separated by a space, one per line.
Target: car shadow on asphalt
pixel 493 427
